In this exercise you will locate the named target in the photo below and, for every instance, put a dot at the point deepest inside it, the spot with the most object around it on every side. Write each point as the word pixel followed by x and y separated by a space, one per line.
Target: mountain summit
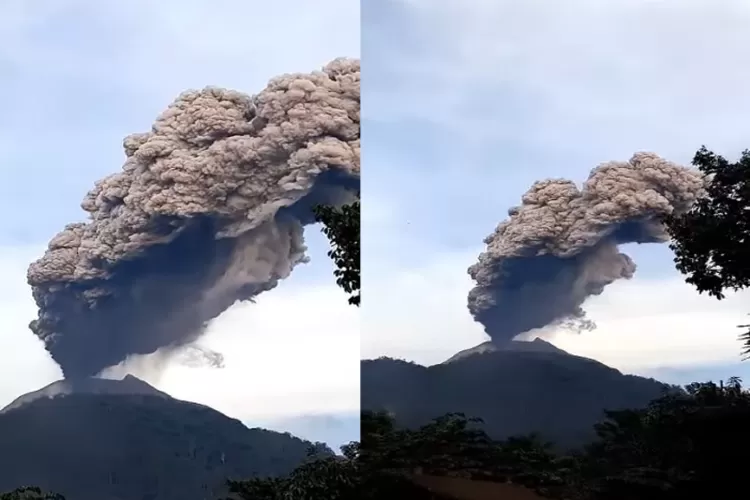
pixel 536 345
pixel 129 385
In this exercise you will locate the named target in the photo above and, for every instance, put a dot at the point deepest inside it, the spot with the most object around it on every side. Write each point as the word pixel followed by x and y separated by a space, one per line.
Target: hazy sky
pixel 76 77
pixel 465 104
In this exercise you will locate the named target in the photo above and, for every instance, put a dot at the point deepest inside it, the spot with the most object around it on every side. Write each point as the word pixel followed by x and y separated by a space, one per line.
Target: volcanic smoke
pixel 208 210
pixel 560 246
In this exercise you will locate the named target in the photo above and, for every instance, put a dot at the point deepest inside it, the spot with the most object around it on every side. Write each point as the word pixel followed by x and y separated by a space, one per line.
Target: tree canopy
pixel 341 226
pixel 30 493
pixel 711 242
pixel 691 440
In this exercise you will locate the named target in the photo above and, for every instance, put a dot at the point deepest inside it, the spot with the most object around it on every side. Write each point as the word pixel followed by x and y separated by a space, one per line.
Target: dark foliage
pixel 378 469
pixel 93 447
pixel 333 478
pixel 341 226
pixel 711 242
pixel 514 393
pixel 30 493
pixel 688 444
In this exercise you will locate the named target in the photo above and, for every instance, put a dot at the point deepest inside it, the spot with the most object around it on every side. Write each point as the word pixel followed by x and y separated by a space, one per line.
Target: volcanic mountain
pixel 97 439
pixel 536 345
pixel 517 388
pixel 129 385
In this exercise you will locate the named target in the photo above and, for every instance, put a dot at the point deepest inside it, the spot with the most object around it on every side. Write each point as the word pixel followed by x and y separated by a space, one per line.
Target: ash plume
pixel 195 356
pixel 561 245
pixel 151 367
pixel 209 209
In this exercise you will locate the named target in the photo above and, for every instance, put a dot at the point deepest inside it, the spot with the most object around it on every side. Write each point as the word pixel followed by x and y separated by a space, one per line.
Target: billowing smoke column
pixel 560 246
pixel 209 209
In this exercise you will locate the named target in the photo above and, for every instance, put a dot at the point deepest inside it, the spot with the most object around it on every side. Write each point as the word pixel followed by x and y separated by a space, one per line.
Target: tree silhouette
pixel 341 226
pixel 684 444
pixel 384 464
pixel 334 478
pixel 711 242
pixel 30 493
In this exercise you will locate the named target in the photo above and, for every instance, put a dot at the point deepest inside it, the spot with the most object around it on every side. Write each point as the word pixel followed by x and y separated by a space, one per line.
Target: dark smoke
pixel 561 245
pixel 208 209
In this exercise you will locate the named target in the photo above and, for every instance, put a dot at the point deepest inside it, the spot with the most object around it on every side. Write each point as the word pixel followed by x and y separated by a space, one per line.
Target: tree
pixel 690 440
pixel 690 443
pixel 711 242
pixel 30 493
pixel 380 466
pixel 333 478
pixel 341 226
pixel 384 464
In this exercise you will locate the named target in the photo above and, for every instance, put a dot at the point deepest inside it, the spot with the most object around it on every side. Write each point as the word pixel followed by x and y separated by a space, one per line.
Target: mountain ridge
pixel 103 439
pixel 128 385
pixel 536 345
pixel 515 390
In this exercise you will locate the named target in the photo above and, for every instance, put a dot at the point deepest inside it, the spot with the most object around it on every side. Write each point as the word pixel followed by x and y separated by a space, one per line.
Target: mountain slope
pixel 128 385
pixel 514 389
pixel 104 443
pixel 536 345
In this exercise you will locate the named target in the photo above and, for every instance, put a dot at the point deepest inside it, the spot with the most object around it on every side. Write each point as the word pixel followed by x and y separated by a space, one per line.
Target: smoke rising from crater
pixel 151 367
pixel 560 246
pixel 209 209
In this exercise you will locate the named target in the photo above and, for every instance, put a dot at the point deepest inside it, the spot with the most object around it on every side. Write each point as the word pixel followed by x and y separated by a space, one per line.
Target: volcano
pixel 98 439
pixel 516 388
pixel 537 345
pixel 129 385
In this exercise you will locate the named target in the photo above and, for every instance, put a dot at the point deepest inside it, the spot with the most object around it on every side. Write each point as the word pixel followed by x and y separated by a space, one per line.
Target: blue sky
pixel 465 104
pixel 76 77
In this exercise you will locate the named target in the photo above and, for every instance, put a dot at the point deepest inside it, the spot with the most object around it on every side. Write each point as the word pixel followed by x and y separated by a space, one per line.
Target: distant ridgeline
pixel 94 439
pixel 517 388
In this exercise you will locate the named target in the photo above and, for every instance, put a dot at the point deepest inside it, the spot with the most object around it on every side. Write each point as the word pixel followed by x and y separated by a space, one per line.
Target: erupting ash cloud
pixel 209 209
pixel 195 356
pixel 560 246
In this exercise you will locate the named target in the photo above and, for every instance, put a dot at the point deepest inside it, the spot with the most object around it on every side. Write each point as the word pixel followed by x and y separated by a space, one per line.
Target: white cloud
pixel 643 324
pixel 420 313
pixel 648 323
pixel 295 352
pixel 25 364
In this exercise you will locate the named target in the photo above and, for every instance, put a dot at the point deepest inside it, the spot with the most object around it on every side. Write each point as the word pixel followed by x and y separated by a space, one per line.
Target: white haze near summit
pixel 478 99
pixel 76 77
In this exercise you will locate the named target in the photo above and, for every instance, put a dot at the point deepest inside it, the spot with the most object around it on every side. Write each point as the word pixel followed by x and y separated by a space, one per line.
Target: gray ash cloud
pixel 560 246
pixel 208 209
